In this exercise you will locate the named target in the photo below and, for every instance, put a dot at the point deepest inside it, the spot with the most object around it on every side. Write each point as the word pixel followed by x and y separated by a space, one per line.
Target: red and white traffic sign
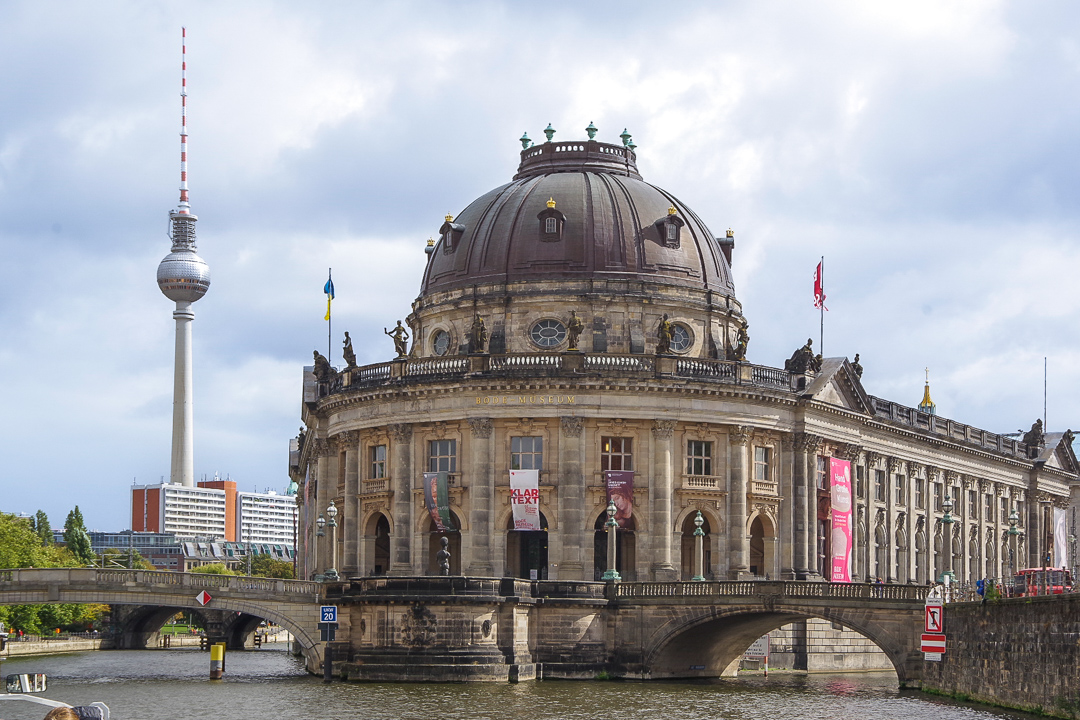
pixel 203 597
pixel 935 619
pixel 933 643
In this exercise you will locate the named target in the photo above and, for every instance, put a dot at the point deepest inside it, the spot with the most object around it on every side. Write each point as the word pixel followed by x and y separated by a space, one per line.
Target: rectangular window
pixel 616 453
pixel 672 232
pixel 919 500
pixel 1004 509
pixel 762 456
pixel 442 456
pixel 550 227
pixel 698 457
pixel 377 464
pixel 989 504
pixel 973 503
pixel 526 453
pixel 879 485
pixel 860 481
pixel 937 497
pixel 898 481
pixel 823 472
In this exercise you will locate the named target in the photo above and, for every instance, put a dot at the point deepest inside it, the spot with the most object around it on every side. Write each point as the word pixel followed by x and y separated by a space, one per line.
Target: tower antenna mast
pixel 185 208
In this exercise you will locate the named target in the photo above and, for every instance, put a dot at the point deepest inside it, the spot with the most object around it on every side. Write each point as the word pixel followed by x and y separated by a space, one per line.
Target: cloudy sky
pixel 929 150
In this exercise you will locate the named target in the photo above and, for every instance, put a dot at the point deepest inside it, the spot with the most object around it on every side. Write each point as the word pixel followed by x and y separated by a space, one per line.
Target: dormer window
pixel 450 234
pixel 552 223
pixel 670 227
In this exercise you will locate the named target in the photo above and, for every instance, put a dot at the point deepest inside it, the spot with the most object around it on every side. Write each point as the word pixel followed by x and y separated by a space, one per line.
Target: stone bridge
pixel 473 629
pixel 148 598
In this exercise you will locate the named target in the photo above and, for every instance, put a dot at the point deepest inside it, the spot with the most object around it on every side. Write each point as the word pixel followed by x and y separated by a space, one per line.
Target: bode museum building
pixel 577 340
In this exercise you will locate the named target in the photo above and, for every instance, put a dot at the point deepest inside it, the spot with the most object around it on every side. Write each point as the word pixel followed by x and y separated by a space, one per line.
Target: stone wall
pixel 817 645
pixel 1022 654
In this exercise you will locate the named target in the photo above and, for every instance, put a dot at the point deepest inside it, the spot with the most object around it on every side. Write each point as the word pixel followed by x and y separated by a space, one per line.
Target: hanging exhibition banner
pixel 437 500
pixel 840 486
pixel 620 488
pixel 525 499
pixel 1061 543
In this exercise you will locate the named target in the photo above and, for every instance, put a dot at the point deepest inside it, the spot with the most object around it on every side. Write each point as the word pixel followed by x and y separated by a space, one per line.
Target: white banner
pixel 1061 546
pixel 525 499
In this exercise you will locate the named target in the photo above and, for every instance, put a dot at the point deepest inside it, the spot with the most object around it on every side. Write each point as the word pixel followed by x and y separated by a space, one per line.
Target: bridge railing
pixel 753 588
pixel 235 583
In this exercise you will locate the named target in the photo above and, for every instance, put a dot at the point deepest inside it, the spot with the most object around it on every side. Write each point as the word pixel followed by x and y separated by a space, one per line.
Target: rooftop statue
pixel 324 372
pixel 663 337
pixel 479 336
pixel 856 366
pixel 1035 436
pixel 443 556
pixel 803 360
pixel 573 330
pixel 401 339
pixel 742 341
pixel 347 352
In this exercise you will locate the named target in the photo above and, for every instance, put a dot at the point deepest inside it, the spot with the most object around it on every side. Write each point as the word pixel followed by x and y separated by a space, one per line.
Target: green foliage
pixel 213 569
pixel 127 559
pixel 267 566
pixel 76 539
pixel 43 528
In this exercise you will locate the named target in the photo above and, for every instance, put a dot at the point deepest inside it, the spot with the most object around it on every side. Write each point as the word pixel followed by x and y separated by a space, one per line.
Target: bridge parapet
pixel 159 578
pixel 780 588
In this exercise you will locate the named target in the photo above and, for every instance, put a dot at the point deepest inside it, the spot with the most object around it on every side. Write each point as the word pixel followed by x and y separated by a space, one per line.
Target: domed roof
pixel 577 210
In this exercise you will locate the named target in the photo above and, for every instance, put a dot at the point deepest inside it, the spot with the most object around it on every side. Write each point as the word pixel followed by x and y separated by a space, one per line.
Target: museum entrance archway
pixel 625 549
pixel 378 534
pixel 762 558
pixel 454 546
pixel 688 542
pixel 527 550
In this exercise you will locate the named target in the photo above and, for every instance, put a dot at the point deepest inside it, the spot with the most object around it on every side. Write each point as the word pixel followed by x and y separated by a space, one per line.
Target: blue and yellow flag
pixel 328 288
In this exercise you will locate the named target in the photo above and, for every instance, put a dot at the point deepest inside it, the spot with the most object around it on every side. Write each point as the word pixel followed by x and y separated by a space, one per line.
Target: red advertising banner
pixel 525 499
pixel 840 484
pixel 620 488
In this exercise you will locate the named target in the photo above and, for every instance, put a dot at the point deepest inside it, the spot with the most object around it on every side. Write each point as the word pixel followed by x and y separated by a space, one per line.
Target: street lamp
pixel 331 512
pixel 947 520
pixel 320 524
pixel 611 526
pixel 699 550
pixel 1013 533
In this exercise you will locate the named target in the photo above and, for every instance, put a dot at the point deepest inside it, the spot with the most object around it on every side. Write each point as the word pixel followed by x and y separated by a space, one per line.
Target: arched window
pixel 552 223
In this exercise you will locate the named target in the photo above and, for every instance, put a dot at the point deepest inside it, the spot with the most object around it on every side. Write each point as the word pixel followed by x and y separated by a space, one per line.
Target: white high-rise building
pixel 186 512
pixel 266 518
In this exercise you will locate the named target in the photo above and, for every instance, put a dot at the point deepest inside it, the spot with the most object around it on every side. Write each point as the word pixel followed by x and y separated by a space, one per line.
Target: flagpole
pixel 329 320
pixel 821 338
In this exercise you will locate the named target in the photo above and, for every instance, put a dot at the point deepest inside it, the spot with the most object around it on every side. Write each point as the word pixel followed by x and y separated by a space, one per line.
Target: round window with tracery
pixel 548 333
pixel 680 338
pixel 440 342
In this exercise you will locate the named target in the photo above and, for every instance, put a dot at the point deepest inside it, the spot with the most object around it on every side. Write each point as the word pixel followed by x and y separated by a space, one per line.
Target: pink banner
pixel 620 488
pixel 525 499
pixel 840 475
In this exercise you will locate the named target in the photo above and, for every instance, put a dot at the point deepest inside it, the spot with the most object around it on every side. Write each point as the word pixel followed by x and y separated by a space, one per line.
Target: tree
pixel 213 569
pixel 43 528
pixel 267 566
pixel 77 539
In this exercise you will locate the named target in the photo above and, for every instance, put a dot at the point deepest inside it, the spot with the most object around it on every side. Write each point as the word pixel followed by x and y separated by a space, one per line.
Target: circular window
pixel 680 338
pixel 440 342
pixel 548 333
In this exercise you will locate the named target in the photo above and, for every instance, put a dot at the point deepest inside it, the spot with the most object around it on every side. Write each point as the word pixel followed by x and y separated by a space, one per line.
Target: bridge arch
pixel 703 642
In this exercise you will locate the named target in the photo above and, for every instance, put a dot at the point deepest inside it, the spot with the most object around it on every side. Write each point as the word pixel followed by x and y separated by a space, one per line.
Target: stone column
pixel 349 518
pixel 575 527
pixel 738 540
pixel 786 518
pixel 402 484
pixel 805 555
pixel 481 483
pixel 661 493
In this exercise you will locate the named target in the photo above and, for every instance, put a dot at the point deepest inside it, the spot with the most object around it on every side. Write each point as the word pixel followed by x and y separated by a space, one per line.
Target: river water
pixel 270 683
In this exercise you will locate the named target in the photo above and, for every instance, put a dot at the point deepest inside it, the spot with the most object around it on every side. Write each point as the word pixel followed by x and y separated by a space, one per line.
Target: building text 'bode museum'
pixel 577 329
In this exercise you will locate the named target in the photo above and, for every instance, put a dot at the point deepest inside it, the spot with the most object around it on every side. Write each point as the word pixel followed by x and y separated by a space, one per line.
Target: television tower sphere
pixel 182 275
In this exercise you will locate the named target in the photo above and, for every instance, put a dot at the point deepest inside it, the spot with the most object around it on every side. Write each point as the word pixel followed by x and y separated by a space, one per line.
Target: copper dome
pixel 578 210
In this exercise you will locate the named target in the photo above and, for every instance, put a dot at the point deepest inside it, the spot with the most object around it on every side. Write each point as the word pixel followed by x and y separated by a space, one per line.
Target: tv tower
pixel 183 277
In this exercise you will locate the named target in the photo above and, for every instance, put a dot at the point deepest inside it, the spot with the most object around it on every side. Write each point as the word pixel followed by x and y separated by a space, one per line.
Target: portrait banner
pixel 620 488
pixel 525 499
pixel 1061 542
pixel 437 500
pixel 840 487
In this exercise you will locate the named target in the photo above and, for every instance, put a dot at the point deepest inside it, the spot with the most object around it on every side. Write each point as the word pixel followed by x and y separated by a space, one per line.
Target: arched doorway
pixel 762 558
pixel 378 535
pixel 688 543
pixel 625 551
pixel 434 545
pixel 527 551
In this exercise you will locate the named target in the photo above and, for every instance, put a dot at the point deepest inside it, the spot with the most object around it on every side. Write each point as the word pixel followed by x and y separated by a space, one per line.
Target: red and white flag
pixel 819 287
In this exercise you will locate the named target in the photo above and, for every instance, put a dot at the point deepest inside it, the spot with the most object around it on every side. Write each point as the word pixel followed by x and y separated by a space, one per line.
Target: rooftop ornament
pixel 672 211
pixel 591 130
pixel 631 145
pixel 551 203
pixel 525 142
pixel 549 131
pixel 625 138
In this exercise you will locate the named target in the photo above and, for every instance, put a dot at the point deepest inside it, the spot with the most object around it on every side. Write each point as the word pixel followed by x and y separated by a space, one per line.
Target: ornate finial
pixel 730 233
pixel 525 141
pixel 430 247
pixel 672 211
pixel 549 131
pixel 431 242
pixel 625 137
pixel 449 218
pixel 551 202
pixel 631 145
pixel 591 130
pixel 927 405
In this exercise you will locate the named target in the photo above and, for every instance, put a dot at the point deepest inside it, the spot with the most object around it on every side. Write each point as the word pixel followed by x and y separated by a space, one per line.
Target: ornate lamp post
pixel 331 512
pixel 947 520
pixel 320 532
pixel 1013 532
pixel 699 550
pixel 611 526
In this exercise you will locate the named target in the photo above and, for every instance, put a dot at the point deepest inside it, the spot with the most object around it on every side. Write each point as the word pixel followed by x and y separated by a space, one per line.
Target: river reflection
pixel 174 684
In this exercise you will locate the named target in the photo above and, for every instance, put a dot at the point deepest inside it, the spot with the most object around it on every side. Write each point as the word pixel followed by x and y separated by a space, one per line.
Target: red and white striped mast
pixel 185 208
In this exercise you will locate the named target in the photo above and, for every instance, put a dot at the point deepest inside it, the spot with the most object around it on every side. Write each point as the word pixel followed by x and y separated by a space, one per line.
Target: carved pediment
pixel 839 384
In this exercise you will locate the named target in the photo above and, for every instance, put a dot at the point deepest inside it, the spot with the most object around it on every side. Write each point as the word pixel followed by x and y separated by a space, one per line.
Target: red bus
pixel 1042 581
